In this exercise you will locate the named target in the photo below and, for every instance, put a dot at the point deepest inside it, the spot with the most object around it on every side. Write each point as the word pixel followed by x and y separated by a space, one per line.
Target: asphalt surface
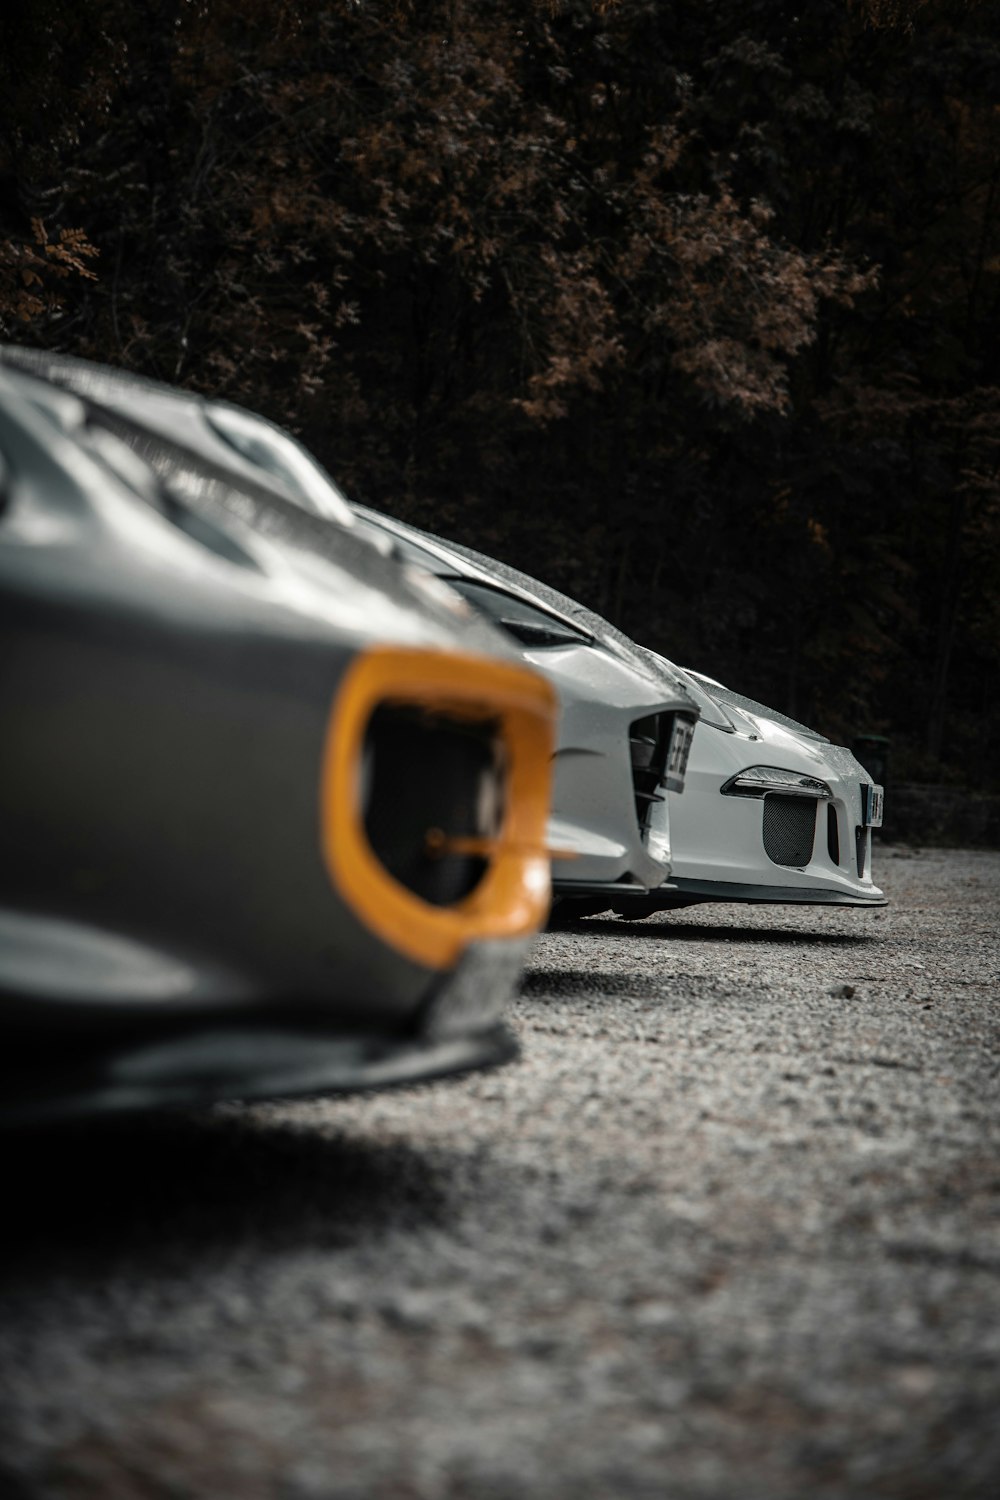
pixel 730 1229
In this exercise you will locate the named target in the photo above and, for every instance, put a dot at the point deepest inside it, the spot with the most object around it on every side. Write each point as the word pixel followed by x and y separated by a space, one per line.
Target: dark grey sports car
pixel 273 809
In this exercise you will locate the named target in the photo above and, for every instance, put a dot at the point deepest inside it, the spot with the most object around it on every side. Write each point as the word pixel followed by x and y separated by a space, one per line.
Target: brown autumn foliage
pixel 692 310
pixel 33 272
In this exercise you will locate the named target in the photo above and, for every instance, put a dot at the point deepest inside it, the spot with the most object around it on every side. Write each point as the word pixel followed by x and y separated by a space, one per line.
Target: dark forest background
pixel 691 309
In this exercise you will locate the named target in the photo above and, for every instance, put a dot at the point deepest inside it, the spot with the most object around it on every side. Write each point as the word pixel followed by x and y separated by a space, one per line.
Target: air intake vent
pixel 649 743
pixel 431 785
pixel 789 829
pixel 832 834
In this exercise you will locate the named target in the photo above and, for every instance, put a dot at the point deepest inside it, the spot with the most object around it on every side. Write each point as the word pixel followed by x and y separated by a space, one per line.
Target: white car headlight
pixel 756 781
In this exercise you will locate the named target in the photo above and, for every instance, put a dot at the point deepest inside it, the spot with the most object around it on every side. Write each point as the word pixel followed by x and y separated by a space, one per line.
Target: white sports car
pixel 771 812
pixel 625 729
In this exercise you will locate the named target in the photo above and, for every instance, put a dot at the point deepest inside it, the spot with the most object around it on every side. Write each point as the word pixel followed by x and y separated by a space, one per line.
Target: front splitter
pixel 687 892
pixel 237 1062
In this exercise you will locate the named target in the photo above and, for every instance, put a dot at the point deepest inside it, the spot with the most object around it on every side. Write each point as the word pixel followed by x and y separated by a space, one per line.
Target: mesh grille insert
pixel 789 829
pixel 427 780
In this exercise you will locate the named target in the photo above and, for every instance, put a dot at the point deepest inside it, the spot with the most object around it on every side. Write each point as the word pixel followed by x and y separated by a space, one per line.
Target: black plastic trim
pixel 245 1062
pixel 689 891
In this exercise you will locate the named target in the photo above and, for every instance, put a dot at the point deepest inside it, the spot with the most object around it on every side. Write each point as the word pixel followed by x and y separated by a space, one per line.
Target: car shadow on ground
pixel 690 932
pixel 93 1193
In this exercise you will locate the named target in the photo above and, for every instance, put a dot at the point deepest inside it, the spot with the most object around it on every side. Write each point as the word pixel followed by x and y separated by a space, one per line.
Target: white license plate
pixel 872 799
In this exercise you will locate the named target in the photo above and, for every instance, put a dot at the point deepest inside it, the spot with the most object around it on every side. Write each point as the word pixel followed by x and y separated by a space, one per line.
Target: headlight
pixel 757 781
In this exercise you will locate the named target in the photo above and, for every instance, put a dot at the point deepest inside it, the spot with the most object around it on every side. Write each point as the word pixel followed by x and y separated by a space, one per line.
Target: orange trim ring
pixel 512 897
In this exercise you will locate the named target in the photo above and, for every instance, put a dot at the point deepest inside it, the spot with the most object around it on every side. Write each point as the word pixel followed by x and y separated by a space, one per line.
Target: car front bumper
pixel 720 849
pixel 74 1066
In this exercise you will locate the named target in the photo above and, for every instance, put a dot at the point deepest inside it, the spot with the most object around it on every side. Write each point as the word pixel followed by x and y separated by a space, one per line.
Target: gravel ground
pixel 730 1229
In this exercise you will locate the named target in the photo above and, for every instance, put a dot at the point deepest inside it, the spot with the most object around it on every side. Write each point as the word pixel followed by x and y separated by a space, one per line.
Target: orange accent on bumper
pixel 512 898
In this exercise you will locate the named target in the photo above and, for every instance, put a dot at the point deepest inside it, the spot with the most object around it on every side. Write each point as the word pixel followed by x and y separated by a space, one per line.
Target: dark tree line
pixel 690 309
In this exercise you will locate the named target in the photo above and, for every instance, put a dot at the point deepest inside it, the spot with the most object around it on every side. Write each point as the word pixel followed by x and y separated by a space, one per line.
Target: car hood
pixel 730 701
pixel 312 562
pixel 447 557
pixel 199 422
pixel 776 734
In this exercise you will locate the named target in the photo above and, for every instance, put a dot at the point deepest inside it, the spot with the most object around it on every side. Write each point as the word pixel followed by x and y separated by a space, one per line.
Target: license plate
pixel 872 798
pixel 681 736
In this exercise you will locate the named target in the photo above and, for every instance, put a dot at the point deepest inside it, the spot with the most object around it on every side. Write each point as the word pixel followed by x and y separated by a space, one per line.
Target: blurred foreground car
pixel 626 722
pixel 273 811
